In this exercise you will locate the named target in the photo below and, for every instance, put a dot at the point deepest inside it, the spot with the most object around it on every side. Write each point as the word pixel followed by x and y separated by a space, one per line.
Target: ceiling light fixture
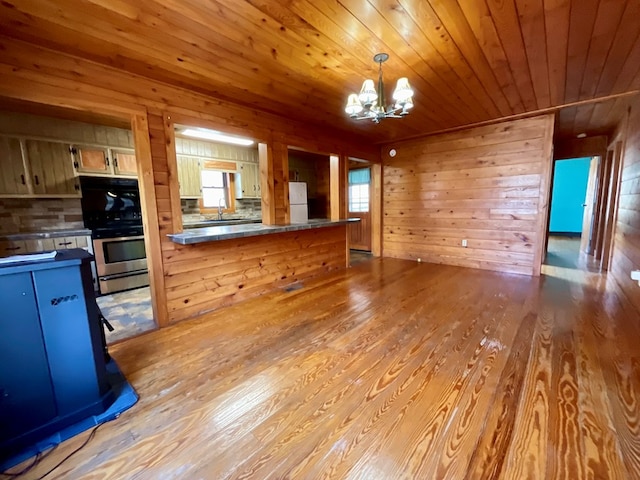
pixel 205 134
pixel 370 103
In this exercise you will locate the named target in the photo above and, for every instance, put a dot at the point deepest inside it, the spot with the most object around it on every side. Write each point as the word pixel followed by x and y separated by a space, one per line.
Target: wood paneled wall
pixel 487 185
pixel 626 247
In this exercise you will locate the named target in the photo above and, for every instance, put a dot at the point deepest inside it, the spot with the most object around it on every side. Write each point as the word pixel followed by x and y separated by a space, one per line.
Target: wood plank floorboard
pixel 389 370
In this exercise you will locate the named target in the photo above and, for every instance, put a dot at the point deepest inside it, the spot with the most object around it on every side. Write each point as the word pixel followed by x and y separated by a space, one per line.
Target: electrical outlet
pixel 464 243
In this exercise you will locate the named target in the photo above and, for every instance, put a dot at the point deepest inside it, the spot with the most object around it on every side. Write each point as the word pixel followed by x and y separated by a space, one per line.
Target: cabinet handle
pixel 64 244
pixel 115 162
pixel 107 160
pixel 12 249
pixel 75 165
pixel 23 181
pixel 77 187
pixel 36 179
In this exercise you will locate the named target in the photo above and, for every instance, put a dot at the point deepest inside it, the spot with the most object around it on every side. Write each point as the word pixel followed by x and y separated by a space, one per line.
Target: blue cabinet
pixel 52 365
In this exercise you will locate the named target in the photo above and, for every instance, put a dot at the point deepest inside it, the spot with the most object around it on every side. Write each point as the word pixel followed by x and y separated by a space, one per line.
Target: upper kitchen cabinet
pixel 36 168
pixel 104 161
pixel 91 160
pixel 51 169
pixel 124 162
pixel 248 185
pixel 189 176
pixel 14 177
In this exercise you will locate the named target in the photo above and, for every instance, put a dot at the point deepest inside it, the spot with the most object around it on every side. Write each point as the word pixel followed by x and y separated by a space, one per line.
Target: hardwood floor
pixel 565 252
pixel 390 369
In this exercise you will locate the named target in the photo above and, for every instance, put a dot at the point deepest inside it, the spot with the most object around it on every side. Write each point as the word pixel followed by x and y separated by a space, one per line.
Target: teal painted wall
pixel 568 194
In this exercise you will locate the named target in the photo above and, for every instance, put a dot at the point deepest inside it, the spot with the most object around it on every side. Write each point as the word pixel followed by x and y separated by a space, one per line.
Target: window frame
pixel 349 194
pixel 229 186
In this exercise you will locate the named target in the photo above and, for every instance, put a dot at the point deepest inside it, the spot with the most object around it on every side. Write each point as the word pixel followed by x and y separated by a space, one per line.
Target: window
pixel 215 189
pixel 359 190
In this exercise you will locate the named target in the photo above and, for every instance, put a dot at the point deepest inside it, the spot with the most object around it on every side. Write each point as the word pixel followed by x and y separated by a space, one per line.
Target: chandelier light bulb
pixel 354 107
pixel 368 94
pixel 403 90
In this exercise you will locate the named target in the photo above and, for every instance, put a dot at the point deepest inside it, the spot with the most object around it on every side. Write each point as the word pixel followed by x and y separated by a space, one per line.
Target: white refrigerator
pixel 298 202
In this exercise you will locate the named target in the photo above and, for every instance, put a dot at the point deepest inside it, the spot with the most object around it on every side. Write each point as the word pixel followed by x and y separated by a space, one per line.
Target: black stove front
pixel 111 210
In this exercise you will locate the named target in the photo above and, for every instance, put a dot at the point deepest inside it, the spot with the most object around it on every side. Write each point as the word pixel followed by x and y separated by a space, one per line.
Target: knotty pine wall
pixel 626 246
pixel 488 185
pixel 46 77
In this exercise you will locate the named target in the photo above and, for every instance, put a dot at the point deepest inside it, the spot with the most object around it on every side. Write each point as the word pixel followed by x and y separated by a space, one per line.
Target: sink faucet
pixel 220 208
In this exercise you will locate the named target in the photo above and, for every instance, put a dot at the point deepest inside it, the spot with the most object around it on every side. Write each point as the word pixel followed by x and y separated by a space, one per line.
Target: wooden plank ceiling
pixel 469 61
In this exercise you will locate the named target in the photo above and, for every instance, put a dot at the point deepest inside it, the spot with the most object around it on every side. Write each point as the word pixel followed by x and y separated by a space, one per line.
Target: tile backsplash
pixel 245 208
pixel 30 215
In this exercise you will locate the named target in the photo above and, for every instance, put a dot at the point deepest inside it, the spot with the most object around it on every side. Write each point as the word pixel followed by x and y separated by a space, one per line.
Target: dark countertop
pixel 46 234
pixel 227 232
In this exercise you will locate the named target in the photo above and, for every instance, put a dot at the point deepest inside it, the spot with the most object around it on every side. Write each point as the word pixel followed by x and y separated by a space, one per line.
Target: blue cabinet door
pixel 26 393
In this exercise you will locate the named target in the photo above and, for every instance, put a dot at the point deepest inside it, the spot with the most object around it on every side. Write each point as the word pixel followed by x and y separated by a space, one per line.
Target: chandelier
pixel 370 104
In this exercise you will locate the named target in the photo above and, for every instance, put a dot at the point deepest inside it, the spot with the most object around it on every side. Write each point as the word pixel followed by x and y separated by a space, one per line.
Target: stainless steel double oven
pixel 111 210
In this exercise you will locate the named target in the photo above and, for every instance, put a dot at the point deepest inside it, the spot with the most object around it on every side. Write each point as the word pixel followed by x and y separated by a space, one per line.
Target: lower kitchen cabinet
pixel 13 247
pixel 35 245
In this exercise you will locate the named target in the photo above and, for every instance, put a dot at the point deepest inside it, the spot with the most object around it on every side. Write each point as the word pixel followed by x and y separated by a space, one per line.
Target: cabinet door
pixel 251 185
pixel 248 185
pixel 40 245
pixel 16 247
pixel 51 168
pixel 26 395
pixel 256 180
pixel 124 162
pixel 13 178
pixel 91 160
pixel 189 177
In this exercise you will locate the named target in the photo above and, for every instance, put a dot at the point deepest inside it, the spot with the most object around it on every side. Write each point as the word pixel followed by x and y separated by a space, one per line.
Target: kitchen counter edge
pixel 76 232
pixel 228 232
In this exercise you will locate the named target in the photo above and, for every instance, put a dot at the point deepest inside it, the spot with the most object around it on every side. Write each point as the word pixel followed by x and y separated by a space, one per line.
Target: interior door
pixel 360 207
pixel 587 217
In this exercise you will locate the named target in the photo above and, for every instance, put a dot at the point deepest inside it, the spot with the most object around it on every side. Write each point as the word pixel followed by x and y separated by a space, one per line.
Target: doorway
pixel 570 217
pixel 592 250
pixel 359 206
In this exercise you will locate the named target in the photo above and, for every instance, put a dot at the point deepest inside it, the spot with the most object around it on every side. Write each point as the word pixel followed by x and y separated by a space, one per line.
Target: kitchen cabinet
pixel 36 168
pixel 35 245
pixel 91 160
pixel 248 183
pixel 51 169
pixel 189 176
pixel 14 177
pixel 104 161
pixel 12 247
pixel 124 162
